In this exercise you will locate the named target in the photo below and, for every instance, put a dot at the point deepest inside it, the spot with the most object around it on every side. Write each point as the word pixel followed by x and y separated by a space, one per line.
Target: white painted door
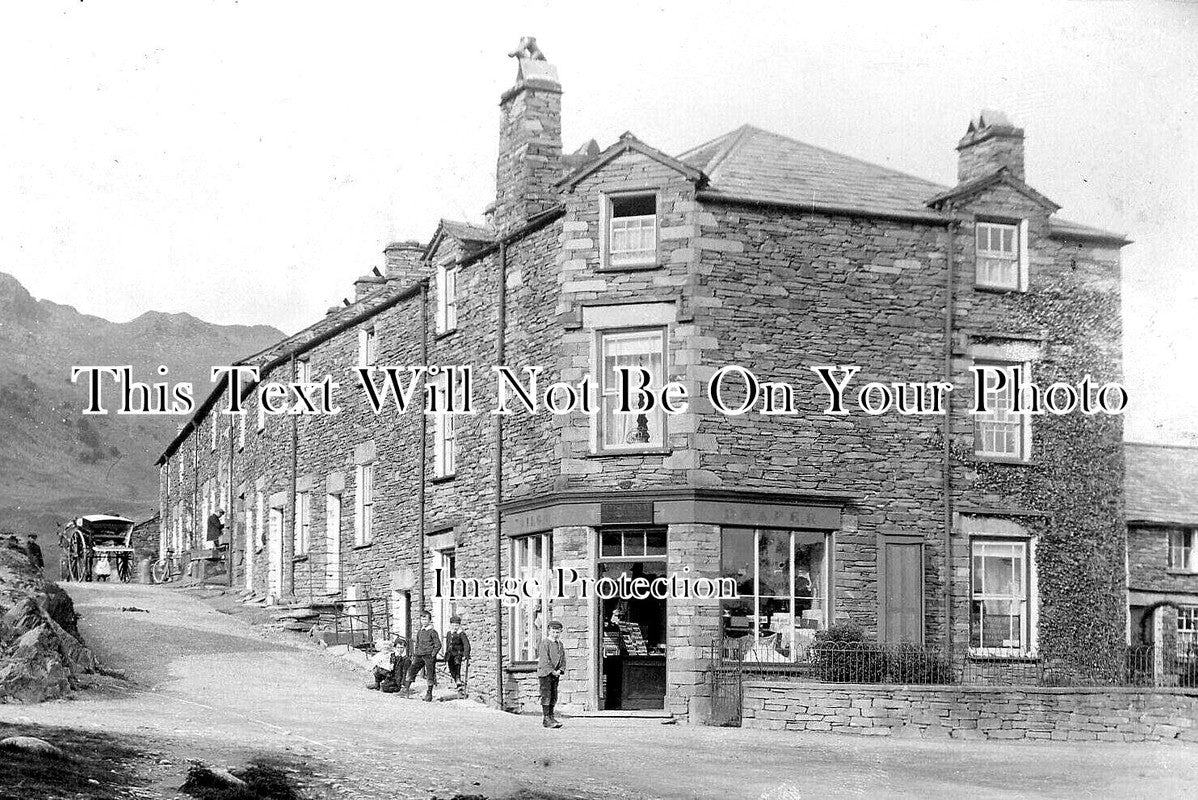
pixel 274 549
pixel 332 533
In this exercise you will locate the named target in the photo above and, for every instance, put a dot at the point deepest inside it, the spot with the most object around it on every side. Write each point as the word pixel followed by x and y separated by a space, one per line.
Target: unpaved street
pixel 209 686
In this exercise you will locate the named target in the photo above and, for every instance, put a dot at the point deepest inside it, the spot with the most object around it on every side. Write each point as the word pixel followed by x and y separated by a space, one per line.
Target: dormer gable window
pixel 632 230
pixel 1001 255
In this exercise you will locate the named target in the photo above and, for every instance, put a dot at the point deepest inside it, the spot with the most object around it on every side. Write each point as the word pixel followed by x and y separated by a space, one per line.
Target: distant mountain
pixel 56 462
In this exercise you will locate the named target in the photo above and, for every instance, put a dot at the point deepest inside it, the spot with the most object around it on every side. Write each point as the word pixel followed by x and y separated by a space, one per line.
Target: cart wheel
pixel 77 564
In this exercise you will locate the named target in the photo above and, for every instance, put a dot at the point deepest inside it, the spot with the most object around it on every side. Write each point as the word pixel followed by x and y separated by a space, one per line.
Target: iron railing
pixel 360 622
pixel 862 661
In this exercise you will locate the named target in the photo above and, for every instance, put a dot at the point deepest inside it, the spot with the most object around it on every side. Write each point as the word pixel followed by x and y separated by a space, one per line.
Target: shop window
pixel 1001 258
pixel 1000 433
pixel 1187 632
pixel 1183 553
pixel 782 585
pixel 635 429
pixel 632 234
pixel 447 298
pixel 531 559
pixel 303 523
pixel 364 505
pixel 1001 597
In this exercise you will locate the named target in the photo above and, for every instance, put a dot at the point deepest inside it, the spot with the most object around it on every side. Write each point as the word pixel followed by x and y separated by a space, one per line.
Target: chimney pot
pixel 990 142
pixel 530 140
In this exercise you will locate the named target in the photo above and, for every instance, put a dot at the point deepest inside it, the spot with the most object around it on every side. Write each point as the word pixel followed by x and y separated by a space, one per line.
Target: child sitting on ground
pixel 383 665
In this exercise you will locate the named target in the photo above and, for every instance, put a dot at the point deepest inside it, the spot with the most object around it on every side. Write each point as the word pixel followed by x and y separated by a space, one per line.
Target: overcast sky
pixel 245 162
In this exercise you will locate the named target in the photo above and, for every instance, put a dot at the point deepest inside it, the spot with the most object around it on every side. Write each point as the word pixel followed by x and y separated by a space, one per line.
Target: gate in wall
pixel 727 673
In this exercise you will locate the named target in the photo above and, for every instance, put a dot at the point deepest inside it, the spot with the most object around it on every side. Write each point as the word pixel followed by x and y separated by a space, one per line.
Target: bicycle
pixel 165 569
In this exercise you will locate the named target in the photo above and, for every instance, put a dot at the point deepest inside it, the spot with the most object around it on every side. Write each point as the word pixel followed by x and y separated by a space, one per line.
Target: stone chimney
pixel 403 259
pixel 990 142
pixel 367 284
pixel 530 141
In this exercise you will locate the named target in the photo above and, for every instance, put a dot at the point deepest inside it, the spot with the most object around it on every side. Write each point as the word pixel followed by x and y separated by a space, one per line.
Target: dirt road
pixel 208 686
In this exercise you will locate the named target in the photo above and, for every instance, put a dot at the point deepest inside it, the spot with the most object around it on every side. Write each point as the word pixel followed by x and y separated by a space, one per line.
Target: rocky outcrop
pixel 41 654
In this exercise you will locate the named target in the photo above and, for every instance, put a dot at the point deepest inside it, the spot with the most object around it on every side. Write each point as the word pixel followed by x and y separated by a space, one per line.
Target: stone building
pixel 997 537
pixel 1162 546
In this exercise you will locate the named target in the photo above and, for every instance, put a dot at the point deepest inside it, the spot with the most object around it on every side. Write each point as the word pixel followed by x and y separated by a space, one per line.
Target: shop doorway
pixel 632 652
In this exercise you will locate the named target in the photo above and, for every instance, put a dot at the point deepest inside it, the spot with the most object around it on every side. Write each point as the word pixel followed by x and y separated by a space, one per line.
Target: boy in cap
pixel 551 665
pixel 457 651
pixel 424 656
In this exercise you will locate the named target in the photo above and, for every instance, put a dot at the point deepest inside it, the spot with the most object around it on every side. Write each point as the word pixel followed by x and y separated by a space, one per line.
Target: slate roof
pixel 753 164
pixel 468 232
pixel 1161 483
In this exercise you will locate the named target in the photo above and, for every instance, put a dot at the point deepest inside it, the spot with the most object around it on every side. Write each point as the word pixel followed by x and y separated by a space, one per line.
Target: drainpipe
pixel 283 545
pixel 195 492
pixel 421 498
pixel 947 472
pixel 231 524
pixel 497 466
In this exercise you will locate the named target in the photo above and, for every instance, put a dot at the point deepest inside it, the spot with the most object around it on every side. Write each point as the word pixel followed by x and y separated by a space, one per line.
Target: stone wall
pixel 1023 712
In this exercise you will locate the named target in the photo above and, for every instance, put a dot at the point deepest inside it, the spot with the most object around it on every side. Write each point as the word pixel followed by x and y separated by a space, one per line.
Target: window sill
pixel 1181 572
pixel 982 287
pixel 646 451
pixel 364 545
pixel 521 667
pixel 641 267
pixel 298 559
pixel 982 458
pixel 1015 656
pixel 442 479
pixel 444 334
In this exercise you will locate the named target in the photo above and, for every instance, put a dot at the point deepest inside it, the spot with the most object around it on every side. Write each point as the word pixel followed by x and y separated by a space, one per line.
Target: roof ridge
pixel 1154 444
pixel 735 138
pixel 874 164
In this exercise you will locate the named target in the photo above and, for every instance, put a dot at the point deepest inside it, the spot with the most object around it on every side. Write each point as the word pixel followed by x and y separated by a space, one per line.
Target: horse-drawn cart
pixel 96 545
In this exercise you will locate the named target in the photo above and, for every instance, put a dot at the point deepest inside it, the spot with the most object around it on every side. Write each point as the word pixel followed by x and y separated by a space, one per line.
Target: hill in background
pixel 57 463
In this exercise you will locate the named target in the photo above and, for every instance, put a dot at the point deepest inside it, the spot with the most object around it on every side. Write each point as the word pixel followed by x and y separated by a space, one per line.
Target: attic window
pixel 632 239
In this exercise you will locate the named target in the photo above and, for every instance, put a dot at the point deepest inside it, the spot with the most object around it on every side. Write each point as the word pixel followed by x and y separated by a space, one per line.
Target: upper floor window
pixel 303 371
pixel 1002 594
pixel 632 234
pixel 445 432
pixel 1001 260
pixel 1001 433
pixel 1183 549
pixel 643 349
pixel 447 297
pixel 367 348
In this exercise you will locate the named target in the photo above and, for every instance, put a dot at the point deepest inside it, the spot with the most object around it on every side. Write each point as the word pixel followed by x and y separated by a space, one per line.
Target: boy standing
pixel 457 652
pixel 551 665
pixel 424 655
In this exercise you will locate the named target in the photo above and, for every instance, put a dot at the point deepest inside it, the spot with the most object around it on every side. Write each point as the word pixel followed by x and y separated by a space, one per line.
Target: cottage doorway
pixel 632 655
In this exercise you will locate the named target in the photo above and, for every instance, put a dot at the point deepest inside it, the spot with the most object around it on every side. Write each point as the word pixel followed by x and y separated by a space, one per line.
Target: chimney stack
pixel 530 140
pixel 367 284
pixel 403 260
pixel 990 142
